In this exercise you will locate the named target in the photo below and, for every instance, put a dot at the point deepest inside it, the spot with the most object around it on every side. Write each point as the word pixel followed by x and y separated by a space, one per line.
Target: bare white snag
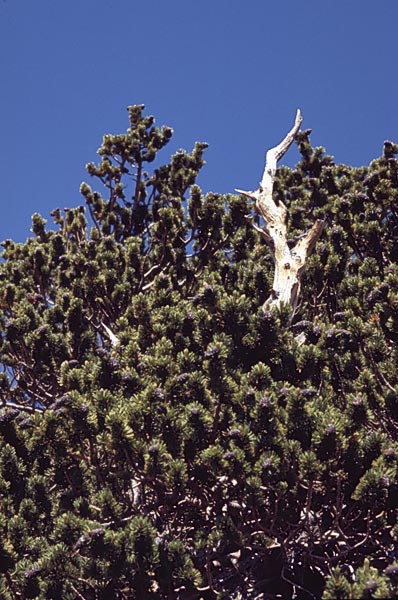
pixel 114 339
pixel 290 262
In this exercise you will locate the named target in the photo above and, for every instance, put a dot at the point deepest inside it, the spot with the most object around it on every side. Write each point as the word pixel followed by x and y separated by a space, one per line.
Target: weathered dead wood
pixel 290 262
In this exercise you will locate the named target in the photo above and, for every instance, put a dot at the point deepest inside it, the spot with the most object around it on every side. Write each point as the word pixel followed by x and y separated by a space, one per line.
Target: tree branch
pixel 289 262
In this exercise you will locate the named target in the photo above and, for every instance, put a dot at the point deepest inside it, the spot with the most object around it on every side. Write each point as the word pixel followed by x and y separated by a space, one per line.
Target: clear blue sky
pixel 227 72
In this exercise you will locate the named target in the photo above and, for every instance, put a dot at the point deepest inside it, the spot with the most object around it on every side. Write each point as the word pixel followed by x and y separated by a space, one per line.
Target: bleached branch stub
pixel 290 262
pixel 115 342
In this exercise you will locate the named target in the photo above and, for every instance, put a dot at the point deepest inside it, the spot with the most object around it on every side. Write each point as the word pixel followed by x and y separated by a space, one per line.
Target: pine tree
pixel 167 430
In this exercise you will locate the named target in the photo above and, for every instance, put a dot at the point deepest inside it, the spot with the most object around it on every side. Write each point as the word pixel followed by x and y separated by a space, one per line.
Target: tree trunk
pixel 290 262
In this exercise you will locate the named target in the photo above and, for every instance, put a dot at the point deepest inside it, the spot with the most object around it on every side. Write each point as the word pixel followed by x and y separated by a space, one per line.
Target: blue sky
pixel 227 72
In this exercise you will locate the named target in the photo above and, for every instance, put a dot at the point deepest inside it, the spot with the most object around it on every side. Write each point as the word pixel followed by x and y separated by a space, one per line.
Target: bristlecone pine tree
pixel 181 420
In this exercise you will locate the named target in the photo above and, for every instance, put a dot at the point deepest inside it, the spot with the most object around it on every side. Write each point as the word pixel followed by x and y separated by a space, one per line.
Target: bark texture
pixel 290 260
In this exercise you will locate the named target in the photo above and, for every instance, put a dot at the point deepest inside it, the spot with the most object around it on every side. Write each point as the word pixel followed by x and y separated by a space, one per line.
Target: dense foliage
pixel 210 453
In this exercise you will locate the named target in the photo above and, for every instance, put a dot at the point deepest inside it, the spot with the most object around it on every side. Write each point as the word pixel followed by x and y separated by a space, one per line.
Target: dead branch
pixel 290 262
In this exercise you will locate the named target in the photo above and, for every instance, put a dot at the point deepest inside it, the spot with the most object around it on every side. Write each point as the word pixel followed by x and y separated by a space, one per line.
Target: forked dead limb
pixel 290 262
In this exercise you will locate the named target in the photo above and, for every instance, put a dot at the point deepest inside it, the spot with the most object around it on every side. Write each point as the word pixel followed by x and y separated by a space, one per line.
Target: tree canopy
pixel 161 434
